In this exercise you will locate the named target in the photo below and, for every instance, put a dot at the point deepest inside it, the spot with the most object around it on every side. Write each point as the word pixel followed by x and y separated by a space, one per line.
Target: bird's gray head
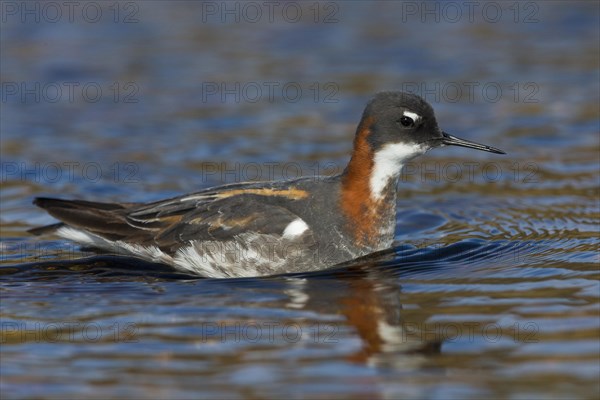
pixel 406 119
pixel 395 128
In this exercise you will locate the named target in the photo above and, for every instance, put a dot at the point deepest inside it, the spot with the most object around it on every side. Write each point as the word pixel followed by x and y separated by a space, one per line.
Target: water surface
pixel 491 288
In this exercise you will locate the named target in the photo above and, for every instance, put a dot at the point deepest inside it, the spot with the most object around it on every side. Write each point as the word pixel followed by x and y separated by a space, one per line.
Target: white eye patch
pixel 415 117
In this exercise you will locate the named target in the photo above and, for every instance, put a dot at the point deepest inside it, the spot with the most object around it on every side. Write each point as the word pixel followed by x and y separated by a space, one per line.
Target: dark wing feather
pixel 105 219
pixel 224 219
pixel 172 223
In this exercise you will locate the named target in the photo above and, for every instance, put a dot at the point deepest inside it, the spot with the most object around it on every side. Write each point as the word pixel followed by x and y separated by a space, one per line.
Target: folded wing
pixel 173 223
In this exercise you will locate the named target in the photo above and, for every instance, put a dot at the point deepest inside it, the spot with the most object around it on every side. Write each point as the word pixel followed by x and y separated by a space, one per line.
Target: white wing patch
pixel 295 228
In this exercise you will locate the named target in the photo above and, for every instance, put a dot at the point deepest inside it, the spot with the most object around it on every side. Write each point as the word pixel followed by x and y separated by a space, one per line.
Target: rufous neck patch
pixel 357 203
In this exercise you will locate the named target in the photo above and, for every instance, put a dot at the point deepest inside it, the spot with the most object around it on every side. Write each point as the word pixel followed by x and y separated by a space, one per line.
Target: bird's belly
pixel 245 255
pixel 253 254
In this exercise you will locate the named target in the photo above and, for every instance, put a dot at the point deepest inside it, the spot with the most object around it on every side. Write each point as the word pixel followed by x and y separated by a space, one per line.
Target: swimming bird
pixel 265 228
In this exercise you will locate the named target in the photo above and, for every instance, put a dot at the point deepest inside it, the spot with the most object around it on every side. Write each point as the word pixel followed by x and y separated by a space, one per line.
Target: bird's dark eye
pixel 407 121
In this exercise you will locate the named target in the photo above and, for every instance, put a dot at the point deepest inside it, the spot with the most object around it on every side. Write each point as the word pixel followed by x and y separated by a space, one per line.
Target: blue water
pixel 491 288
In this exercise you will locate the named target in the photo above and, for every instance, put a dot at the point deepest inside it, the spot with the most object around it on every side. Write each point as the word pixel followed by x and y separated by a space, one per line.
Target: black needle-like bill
pixel 455 141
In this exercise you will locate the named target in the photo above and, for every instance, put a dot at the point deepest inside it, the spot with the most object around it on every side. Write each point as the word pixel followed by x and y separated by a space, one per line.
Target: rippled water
pixel 491 289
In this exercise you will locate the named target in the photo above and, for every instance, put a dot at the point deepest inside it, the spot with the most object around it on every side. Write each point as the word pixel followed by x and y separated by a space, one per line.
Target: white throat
pixel 388 162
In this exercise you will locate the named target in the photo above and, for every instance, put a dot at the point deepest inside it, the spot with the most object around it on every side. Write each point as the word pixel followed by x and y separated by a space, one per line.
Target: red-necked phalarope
pixel 265 228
